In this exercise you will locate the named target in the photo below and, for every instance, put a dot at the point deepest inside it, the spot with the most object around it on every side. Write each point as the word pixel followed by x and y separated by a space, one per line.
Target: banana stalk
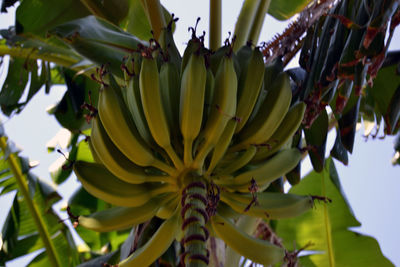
pixel 194 216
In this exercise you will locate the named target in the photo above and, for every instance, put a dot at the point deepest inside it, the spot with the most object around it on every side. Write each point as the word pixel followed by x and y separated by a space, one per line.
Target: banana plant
pixel 188 149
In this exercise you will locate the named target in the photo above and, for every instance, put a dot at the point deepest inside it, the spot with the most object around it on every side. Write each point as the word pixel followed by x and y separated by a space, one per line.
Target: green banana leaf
pixel 31 224
pixel 326 228
pixel 31 42
pixel 386 90
pixel 37 17
pixel 283 10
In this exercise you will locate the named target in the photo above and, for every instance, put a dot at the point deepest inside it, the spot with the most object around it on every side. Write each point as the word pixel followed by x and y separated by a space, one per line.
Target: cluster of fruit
pixel 194 140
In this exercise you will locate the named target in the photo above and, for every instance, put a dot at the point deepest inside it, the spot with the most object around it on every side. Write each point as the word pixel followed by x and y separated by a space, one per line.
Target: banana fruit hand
pixel 182 133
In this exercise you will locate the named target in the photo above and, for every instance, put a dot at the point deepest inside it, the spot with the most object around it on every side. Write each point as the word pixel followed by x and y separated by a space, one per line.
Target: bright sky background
pixel 370 182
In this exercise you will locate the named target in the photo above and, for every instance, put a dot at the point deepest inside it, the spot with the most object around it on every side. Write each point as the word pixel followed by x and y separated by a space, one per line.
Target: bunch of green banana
pixel 183 133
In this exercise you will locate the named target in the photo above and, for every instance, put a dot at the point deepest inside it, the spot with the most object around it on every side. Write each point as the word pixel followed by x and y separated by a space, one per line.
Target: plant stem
pixel 23 188
pixel 194 215
pixel 215 24
pixel 155 15
pixel 245 20
pixel 258 21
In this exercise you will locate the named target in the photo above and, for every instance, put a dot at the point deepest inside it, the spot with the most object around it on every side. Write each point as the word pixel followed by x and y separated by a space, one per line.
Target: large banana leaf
pixel 37 17
pixel 31 224
pixel 326 227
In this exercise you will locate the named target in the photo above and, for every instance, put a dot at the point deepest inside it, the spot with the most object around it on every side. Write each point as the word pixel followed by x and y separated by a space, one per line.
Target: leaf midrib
pixel 327 224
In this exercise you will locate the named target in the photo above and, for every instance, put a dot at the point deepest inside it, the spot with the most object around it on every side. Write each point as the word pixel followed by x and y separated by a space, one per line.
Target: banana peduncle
pixel 195 217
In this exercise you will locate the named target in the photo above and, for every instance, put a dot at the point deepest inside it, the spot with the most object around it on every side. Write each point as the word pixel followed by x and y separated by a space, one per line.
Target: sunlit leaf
pixel 326 227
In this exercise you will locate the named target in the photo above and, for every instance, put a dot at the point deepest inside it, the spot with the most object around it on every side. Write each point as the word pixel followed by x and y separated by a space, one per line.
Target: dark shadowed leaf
pixel 39 16
pixel 7 3
pixel 316 137
pixel 14 85
pixel 338 151
pixel 69 111
pixel 347 126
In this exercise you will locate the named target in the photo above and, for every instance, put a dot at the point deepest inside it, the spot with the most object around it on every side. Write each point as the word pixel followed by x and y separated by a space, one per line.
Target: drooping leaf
pixel 338 151
pixel 326 227
pixel 283 10
pixel 14 85
pixel 316 137
pixel 347 125
pixel 98 40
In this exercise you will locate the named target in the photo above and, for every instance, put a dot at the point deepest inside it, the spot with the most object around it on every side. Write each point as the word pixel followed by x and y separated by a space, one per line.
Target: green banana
pixel 170 91
pixel 122 131
pixel 166 210
pixel 250 84
pixel 268 205
pixel 120 218
pixel 240 161
pixel 101 183
pixel 116 162
pixel 222 145
pixel 271 72
pixel 136 109
pixel 208 98
pixel 248 225
pixel 192 102
pixel 263 173
pixel 284 133
pixel 223 109
pixel 270 115
pixel 243 56
pixel 257 250
pixel 149 83
pixel 95 156
pixel 157 245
